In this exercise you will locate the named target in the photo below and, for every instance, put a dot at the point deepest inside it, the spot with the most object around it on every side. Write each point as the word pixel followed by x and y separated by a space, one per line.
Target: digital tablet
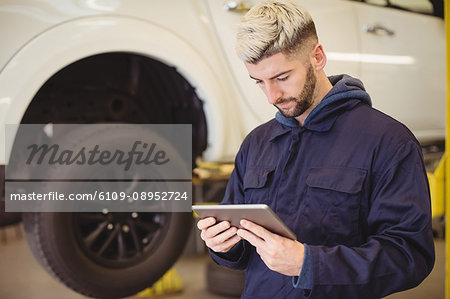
pixel 260 214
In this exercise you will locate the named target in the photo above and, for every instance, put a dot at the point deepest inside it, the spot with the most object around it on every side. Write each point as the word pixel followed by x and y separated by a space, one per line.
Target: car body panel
pixel 406 75
pixel 75 37
pixel 197 37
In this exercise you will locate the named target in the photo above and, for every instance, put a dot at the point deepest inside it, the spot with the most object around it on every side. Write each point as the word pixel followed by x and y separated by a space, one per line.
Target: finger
pixel 257 230
pixel 222 237
pixel 251 238
pixel 206 222
pixel 226 244
pixel 216 229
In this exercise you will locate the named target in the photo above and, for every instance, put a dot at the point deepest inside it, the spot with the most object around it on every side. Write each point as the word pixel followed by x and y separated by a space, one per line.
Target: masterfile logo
pixel 53 154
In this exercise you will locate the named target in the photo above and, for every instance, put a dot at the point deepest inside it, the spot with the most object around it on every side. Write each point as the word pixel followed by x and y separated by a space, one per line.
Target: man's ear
pixel 318 57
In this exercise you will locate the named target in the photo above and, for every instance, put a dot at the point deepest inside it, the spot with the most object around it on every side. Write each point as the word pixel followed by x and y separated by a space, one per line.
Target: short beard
pixel 304 101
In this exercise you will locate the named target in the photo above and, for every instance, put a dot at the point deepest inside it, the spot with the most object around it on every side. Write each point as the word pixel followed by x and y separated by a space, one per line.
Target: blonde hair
pixel 272 27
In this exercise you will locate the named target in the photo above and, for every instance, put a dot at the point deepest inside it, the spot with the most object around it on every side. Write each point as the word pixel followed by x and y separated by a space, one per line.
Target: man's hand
pixel 220 237
pixel 280 254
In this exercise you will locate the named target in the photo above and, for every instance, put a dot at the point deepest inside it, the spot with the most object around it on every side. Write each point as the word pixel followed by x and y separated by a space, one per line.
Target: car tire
pixel 104 254
pixel 9 218
pixel 224 281
pixel 54 242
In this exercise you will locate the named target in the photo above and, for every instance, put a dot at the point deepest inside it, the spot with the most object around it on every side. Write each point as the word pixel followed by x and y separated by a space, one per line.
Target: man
pixel 346 178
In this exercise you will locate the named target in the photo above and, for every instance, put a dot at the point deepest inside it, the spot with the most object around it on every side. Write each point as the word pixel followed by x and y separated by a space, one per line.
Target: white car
pixel 139 61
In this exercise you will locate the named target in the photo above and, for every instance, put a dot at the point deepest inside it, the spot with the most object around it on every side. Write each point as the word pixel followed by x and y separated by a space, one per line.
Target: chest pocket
pixel 257 184
pixel 332 204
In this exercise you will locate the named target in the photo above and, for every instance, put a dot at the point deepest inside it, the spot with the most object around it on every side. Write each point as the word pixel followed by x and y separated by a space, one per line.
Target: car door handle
pixel 378 30
pixel 236 6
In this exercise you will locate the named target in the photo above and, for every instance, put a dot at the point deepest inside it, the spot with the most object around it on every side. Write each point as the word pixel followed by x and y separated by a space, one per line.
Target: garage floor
pixel 21 277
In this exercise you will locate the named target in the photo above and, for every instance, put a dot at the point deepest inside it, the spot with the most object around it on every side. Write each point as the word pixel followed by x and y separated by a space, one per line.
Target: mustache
pixel 286 100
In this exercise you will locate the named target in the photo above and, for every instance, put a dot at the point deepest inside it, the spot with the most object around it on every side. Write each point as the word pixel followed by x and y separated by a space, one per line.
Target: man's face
pixel 288 84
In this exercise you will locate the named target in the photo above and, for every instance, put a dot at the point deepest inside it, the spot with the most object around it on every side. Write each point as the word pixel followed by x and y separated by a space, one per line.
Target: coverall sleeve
pixel 399 252
pixel 236 257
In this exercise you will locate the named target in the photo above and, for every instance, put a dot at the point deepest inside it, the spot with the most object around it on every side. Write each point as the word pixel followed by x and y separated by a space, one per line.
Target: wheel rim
pixel 119 240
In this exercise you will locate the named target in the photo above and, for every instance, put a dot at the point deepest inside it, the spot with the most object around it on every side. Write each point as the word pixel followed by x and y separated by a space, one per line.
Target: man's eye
pixel 282 78
pixel 258 82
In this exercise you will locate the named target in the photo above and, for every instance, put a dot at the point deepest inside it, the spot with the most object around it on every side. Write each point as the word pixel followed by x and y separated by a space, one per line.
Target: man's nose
pixel 273 93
